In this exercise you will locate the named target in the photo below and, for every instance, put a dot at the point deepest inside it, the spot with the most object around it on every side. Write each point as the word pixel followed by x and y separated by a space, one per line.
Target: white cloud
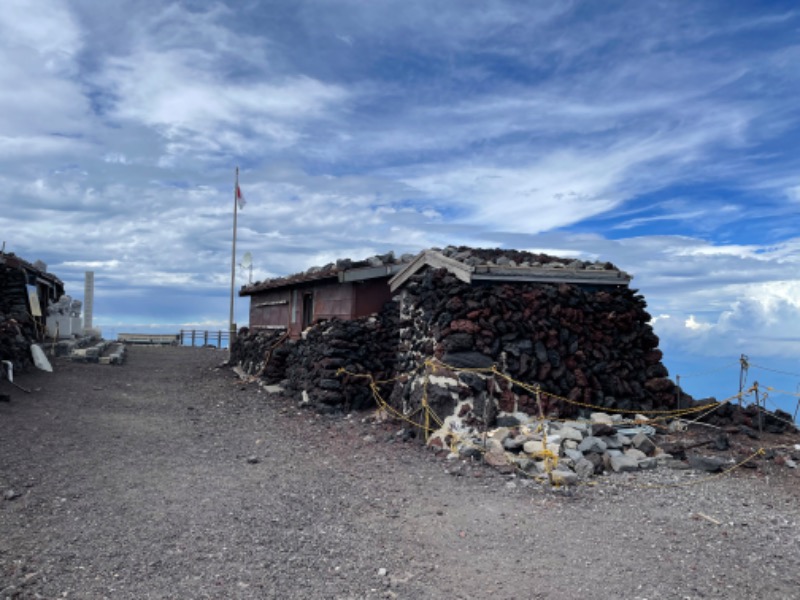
pixel 173 78
pixel 407 125
pixel 96 264
pixel 39 45
pixel 36 146
pixel 43 27
pixel 116 157
pixel 694 325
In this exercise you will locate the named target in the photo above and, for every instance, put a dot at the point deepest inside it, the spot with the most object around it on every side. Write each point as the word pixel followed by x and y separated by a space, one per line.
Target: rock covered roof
pixel 344 269
pixel 467 263
pixel 516 258
pixel 499 265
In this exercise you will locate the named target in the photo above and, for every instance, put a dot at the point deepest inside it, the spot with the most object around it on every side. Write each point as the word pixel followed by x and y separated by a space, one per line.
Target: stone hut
pixel 575 328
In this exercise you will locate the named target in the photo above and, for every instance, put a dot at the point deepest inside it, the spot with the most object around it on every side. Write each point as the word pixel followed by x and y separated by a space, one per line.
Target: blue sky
pixel 661 136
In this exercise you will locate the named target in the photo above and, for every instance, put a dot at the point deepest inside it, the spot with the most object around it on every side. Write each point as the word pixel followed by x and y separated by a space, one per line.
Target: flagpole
pixel 231 326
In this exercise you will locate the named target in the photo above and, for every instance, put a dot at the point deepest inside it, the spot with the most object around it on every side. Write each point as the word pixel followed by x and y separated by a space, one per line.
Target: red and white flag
pixel 240 197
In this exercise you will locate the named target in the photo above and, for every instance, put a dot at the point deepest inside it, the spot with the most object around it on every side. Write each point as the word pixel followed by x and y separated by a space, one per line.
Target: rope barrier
pixel 766 397
pixel 532 389
pixel 535 389
pixel 267 358
pixel 775 370
pixel 715 407
pixel 548 457
pixel 759 452
pixel 783 392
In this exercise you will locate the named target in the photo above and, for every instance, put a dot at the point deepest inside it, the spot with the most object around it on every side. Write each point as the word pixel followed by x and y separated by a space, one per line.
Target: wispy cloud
pixel 662 140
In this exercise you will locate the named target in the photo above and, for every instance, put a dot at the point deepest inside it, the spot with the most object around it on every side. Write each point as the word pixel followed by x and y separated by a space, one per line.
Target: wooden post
pixel 794 419
pixel 758 407
pixel 193 332
pixel 491 387
pixel 743 365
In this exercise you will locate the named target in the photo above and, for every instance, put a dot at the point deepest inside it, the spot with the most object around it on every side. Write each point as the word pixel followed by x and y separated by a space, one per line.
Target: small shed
pixel 344 290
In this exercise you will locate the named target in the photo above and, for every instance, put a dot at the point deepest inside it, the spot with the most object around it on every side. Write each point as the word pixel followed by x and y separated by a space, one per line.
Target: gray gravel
pixel 168 478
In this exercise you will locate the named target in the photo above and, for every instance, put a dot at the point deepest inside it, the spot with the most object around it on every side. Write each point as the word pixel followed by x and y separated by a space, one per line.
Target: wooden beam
pixel 436 260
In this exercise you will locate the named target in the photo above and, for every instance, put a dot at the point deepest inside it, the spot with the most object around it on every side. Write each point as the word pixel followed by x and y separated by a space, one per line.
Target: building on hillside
pixel 344 290
pixel 573 328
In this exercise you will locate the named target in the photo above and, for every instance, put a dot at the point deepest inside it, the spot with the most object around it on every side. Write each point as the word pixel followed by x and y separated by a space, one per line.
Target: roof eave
pixel 621 279
pixel 249 291
pixel 364 273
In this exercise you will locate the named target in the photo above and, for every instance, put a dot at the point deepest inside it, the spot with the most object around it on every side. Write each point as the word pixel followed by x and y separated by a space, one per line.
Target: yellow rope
pixel 550 458
pixel 759 452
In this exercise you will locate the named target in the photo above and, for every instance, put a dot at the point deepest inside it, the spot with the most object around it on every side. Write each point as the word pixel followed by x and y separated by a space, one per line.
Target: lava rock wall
pixel 590 345
pixel 258 353
pixel 364 346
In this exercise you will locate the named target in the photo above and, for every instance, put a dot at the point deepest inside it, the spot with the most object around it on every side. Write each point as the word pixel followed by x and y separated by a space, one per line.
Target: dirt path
pixel 165 478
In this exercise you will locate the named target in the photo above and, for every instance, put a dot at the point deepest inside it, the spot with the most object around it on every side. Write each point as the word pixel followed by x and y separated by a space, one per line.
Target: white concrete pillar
pixel 88 300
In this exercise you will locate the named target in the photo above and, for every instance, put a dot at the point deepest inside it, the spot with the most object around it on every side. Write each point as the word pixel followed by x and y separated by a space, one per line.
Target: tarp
pixel 40 359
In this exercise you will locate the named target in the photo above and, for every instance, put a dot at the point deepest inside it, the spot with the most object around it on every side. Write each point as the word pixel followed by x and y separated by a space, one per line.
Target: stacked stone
pixel 311 365
pixel 261 353
pixel 592 345
pixel 567 451
pixel 17 331
pixel 364 346
pixel 15 343
pixel 749 419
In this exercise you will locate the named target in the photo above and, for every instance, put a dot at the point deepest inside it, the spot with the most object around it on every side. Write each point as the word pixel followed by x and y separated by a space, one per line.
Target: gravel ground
pixel 168 478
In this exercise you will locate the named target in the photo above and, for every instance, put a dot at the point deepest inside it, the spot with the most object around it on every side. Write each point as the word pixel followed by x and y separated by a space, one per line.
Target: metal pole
pixel 233 253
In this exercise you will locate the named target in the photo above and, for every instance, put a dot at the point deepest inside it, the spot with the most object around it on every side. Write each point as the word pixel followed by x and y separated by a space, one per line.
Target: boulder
pixel 563 477
pixel 641 442
pixel 623 463
pixel 592 444
pixel 601 418
pixel 570 433
pixel 635 454
pixel 709 464
pixel 584 468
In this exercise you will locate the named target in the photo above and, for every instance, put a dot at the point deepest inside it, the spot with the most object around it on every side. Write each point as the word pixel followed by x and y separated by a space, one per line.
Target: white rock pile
pixel 565 452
